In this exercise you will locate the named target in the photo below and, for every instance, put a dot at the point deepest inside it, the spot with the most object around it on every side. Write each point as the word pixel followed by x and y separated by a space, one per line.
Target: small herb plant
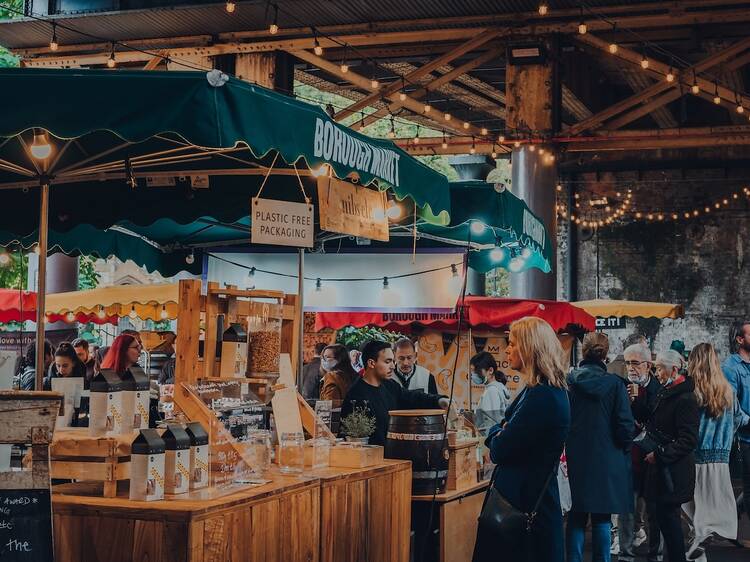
pixel 359 423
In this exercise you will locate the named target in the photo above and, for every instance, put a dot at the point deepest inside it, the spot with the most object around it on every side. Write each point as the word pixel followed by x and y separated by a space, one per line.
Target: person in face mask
pixel 496 397
pixel 643 390
pixel 339 373
pixel 673 428
pixel 407 373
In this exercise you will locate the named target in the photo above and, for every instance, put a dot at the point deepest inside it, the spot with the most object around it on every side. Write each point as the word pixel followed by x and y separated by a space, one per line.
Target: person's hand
pixel 650 458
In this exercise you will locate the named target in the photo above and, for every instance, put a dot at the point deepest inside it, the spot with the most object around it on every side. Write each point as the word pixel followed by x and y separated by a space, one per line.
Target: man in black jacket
pixel 643 389
pixel 379 394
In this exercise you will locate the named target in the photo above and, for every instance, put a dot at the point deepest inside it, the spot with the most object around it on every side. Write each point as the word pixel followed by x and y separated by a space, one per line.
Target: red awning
pixel 16 306
pixel 483 313
pixel 12 302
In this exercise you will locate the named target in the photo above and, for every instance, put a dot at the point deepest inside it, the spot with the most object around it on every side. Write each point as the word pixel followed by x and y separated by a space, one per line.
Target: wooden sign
pixel 281 223
pixel 352 209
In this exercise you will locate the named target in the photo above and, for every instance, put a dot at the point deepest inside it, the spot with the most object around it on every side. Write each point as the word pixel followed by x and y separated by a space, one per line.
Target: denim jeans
pixel 601 524
pixel 745 452
pixel 626 531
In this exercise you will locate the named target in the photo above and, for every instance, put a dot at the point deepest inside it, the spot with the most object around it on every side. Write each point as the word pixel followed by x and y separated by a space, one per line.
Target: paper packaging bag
pixel 198 456
pixel 177 460
pixel 135 399
pixel 147 466
pixel 105 404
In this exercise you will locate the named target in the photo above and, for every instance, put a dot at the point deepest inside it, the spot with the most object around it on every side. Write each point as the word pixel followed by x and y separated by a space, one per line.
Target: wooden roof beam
pixel 437 83
pixel 422 71
pixel 659 71
pixel 365 84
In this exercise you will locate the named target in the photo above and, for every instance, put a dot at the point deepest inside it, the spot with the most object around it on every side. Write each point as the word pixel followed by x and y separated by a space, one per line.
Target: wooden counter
pixel 322 515
pixel 454 524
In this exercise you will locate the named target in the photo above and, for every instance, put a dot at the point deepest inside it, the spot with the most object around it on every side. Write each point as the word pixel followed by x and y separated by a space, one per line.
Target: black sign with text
pixel 610 323
pixel 25 526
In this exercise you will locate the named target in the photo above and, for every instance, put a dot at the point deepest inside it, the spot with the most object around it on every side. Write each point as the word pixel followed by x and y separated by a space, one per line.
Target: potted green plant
pixel 358 426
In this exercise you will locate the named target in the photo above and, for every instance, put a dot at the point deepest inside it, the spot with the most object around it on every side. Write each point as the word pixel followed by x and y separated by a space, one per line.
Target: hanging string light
pixel 111 60
pixel 53 44
pixel 445 140
pixel 317 49
pixel 644 62
pixel 501 139
pixel 447 116
pixel 392 132
pixel 740 108
pixel 273 29
pixel 416 136
pixel 582 27
pixel 717 97
pixel 362 122
pixel 484 131
pixel 670 75
pixel 543 9
pixel 230 7
pixel 613 48
pixel 402 93
pixel 695 88
pixel 427 107
pixel 473 149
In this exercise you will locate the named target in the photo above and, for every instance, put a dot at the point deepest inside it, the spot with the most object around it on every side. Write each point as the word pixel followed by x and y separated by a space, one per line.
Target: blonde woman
pixel 527 447
pixel 712 510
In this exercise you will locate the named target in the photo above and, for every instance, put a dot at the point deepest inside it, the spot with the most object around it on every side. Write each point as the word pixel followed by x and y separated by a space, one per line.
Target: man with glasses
pixel 643 389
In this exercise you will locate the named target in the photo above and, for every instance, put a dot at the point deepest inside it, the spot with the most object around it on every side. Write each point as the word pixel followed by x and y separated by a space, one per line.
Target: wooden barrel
pixel 417 436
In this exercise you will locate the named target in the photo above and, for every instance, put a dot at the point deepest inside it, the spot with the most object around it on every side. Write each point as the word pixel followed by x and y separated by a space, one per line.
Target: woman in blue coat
pixel 598 450
pixel 527 445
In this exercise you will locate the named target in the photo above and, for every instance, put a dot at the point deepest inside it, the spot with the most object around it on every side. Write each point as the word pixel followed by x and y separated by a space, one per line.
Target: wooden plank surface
pixel 458 527
pixel 453 494
pixel 76 442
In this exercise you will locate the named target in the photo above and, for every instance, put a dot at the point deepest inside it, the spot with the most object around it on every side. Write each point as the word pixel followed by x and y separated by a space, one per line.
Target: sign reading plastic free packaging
pixel 352 209
pixel 281 223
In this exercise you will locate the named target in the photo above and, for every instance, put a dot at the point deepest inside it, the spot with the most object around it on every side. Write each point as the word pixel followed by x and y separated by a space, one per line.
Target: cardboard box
pixel 135 399
pixel 177 460
pixel 462 465
pixel 147 466
pixel 199 471
pixel 105 404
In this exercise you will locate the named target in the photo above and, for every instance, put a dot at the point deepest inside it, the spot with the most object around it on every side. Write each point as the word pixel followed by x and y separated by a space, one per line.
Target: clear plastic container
pixel 264 334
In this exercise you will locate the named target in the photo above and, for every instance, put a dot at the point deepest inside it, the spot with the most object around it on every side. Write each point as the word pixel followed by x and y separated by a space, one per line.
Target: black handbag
pixel 503 530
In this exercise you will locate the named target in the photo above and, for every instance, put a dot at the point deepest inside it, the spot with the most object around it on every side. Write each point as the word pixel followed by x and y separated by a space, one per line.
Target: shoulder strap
pixel 546 484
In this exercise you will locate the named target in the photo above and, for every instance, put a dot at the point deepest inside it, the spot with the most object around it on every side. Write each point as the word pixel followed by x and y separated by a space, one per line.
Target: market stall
pixel 605 308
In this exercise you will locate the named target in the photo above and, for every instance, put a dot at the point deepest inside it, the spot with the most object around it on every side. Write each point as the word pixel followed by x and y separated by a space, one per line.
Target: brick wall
pixel 701 263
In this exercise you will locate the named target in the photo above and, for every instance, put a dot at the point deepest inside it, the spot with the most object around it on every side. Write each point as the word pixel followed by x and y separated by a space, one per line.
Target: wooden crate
pixel 462 464
pixel 76 455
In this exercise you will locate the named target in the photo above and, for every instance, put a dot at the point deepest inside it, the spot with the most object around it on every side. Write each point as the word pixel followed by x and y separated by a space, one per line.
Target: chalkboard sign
pixel 25 526
pixel 238 414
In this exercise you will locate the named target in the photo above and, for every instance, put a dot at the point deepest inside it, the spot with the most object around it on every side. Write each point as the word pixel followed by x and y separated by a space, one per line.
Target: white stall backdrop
pixel 437 291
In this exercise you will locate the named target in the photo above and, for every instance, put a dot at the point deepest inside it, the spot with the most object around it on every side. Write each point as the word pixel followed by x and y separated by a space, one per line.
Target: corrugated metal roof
pixel 251 16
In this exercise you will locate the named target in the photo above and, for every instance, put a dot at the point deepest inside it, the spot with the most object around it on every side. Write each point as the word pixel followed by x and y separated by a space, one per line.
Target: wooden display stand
pixel 76 455
pixel 462 465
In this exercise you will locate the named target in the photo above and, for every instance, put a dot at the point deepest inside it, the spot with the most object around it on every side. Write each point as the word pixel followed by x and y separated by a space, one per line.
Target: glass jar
pixel 258 445
pixel 264 330
pixel 291 452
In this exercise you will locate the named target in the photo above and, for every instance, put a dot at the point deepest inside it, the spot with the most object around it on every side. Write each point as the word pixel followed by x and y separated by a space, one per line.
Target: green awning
pixel 500 226
pixel 129 124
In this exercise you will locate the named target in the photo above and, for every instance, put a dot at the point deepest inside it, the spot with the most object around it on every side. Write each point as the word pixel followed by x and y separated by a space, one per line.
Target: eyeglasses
pixel 635 363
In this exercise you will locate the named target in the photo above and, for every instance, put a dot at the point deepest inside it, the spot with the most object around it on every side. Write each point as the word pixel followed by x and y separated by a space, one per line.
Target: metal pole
pixel 41 283
pixel 301 313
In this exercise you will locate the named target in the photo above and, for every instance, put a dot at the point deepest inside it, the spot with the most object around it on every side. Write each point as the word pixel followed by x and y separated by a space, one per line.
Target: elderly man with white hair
pixel 643 389
pixel 672 431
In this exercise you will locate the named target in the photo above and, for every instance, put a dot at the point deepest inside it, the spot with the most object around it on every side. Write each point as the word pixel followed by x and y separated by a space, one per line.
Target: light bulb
pixel 100 313
pixel 427 108
pixel 497 254
pixel 516 264
pixel 582 28
pixel 344 67
pixel 559 187
pixel 53 45
pixel 70 317
pixel 644 63
pixel 163 314
pixel 454 270
pixel 230 7
pixel 526 253
pixel 532 148
pixel 477 227
pixel 447 116
pixel 670 76
pixel 696 89
pixel 4 259
pixel 494 154
pixel 543 9
pixel 517 144
pixel 444 144
pixel 273 29
pixel 318 285
pixel 41 147
pixel 111 60
pixel 501 138
pixel 416 140
pixel 740 109
pixel 251 273
pixel 466 125
pixel 717 99
pixel 660 217
pixel 385 283
pixel 133 314
pixel 317 49
pixel 190 258
pixel 707 209
pixel 613 48
pixel 374 84
pixel 391 134
pixel 472 150
pixel 484 131
pixel 37 251
pixel 402 96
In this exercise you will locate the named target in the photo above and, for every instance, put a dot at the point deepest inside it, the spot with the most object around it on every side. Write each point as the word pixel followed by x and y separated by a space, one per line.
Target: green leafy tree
pixel 6 58
pixel 353 338
pixel 88 278
pixel 13 274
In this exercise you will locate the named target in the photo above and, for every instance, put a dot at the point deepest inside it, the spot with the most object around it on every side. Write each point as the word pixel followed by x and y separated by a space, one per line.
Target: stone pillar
pixel 533 110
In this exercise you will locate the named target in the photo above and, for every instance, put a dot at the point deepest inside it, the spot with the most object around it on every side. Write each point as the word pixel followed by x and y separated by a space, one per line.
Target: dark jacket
pixel 311 379
pixel 526 450
pixel 379 400
pixel 598 446
pixel 642 408
pixel 675 418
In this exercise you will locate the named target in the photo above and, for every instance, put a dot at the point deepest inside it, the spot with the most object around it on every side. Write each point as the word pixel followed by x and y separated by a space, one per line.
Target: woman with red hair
pixel 124 353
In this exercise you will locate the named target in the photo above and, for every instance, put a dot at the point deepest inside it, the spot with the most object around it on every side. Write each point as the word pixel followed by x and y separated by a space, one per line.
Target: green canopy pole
pixel 41 282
